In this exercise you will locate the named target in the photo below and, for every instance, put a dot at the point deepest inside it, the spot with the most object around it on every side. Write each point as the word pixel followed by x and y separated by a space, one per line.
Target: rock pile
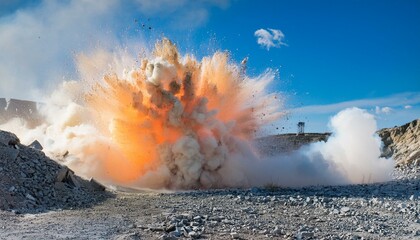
pixel 402 143
pixel 31 182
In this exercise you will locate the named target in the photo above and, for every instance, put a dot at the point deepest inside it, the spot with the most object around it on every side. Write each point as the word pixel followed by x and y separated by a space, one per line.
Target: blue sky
pixel 336 54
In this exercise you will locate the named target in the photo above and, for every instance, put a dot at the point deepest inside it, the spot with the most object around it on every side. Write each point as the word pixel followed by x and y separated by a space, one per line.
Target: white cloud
pixel 270 38
pixel 397 100
pixel 408 107
pixel 387 110
pixel 383 110
pixel 38 42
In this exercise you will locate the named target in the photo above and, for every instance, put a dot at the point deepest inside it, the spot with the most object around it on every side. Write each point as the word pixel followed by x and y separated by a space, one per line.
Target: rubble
pixel 31 182
pixel 35 144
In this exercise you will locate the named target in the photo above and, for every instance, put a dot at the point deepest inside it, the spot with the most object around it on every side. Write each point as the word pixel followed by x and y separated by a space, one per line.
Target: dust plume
pixel 350 156
pixel 167 121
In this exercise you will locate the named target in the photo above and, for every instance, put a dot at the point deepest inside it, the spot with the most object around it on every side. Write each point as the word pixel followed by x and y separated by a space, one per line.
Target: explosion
pixel 168 123
pixel 172 122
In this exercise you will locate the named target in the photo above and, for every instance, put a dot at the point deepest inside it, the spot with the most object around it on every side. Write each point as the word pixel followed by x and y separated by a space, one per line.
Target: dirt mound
pixel 32 182
pixel 402 143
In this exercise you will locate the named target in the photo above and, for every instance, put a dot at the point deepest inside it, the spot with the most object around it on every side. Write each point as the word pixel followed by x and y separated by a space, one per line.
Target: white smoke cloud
pixel 351 155
pixel 270 38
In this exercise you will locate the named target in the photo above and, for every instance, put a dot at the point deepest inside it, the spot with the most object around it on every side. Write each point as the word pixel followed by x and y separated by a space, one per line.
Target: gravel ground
pixel 371 211
pixel 69 207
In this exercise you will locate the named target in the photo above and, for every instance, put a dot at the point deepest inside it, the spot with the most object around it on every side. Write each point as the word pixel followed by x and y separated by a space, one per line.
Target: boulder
pixel 36 145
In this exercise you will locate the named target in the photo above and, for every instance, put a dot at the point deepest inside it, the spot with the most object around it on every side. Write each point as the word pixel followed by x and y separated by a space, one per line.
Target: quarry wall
pixel 12 108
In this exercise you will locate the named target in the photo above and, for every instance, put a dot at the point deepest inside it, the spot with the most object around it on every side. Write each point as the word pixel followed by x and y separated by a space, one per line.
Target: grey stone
pixel 276 231
pixel 227 221
pixel 175 234
pixel 30 197
pixel 193 234
pixel 304 235
pixel 167 237
pixel 62 174
pixel 234 235
pixel 344 209
pixel 36 145
pixel 156 229
pixel 96 186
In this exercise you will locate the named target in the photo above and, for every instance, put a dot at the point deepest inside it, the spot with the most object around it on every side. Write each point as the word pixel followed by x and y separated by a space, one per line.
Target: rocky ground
pixel 377 211
pixel 402 143
pixel 31 182
pixel 73 208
